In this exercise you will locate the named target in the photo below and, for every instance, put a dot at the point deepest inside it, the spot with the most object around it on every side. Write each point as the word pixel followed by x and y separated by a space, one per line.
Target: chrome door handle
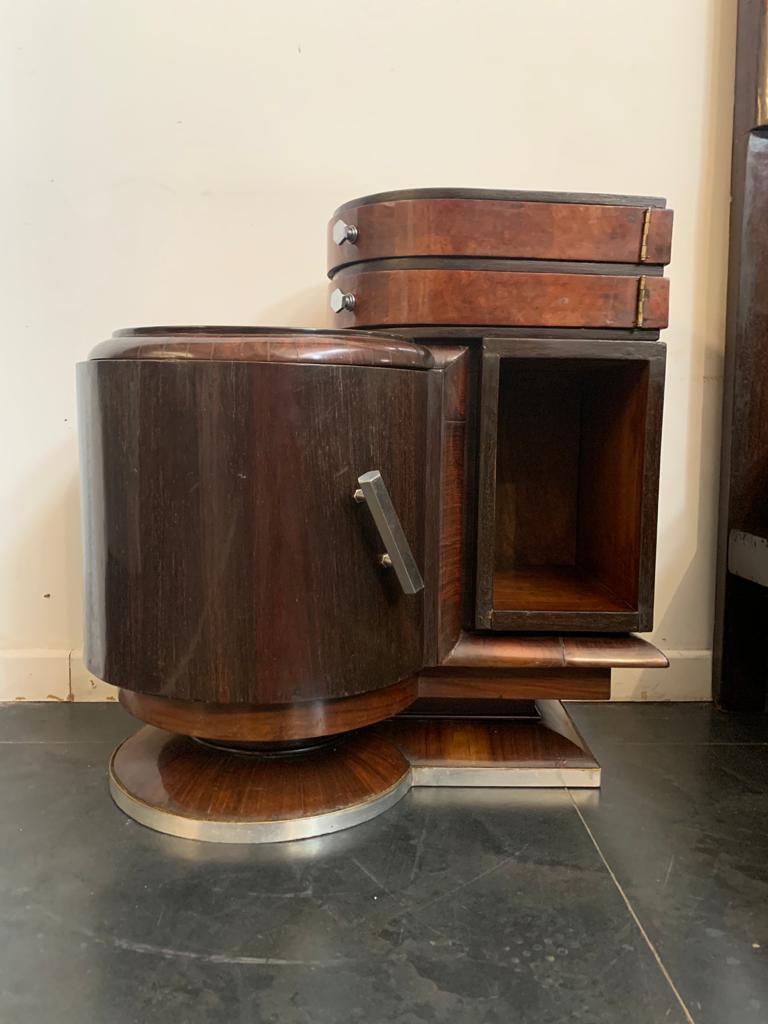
pixel 373 492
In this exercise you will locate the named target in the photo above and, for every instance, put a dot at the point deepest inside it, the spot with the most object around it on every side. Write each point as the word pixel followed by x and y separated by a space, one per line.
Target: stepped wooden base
pixel 188 788
pixel 473 743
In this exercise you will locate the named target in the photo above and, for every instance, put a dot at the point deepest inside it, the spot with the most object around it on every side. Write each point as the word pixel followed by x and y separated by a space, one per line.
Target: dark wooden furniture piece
pixel 235 585
pixel 740 662
pixel 324 566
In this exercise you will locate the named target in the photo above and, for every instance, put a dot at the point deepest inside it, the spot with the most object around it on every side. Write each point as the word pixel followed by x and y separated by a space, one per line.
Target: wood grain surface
pixel 268 723
pixel 264 345
pixel 180 776
pixel 516 684
pixel 225 560
pixel 385 297
pixel 505 651
pixel 569 443
pixel 502 228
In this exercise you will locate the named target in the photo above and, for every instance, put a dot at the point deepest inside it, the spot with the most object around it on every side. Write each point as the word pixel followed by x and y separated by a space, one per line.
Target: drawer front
pixel 381 296
pixel 496 228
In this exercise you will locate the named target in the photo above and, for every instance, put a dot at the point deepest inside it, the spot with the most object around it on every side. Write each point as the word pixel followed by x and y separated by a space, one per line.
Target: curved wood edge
pixel 617 652
pixel 270 723
pixel 281 346
pixel 388 298
pixel 174 775
pixel 475 650
pixel 516 195
pixel 503 229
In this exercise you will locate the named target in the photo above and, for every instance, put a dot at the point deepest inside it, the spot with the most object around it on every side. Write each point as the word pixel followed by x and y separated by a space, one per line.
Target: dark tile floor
pixel 647 902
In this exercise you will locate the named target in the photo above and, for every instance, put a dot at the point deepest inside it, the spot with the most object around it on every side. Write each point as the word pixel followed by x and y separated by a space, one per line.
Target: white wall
pixel 175 161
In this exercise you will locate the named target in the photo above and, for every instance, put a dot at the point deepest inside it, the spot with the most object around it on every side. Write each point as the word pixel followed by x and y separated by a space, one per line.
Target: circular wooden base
pixel 180 786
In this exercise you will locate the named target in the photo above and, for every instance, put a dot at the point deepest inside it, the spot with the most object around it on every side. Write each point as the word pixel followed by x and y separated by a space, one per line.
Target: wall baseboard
pixel 61 675
pixel 54 675
pixel 83 685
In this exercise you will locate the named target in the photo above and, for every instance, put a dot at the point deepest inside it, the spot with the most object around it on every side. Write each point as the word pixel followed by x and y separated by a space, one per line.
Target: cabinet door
pixel 569 464
pixel 226 557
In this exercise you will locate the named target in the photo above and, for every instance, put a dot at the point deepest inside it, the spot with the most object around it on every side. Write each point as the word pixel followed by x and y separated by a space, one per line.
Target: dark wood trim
pixel 508 266
pixel 517 684
pixel 265 345
pixel 450 494
pixel 472 707
pixel 473 335
pixel 486 491
pixel 577 621
pixel 495 651
pixel 556 348
pixel 432 568
pixel 513 195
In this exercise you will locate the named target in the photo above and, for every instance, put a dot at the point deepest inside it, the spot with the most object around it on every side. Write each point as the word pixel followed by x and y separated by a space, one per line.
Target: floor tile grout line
pixel 633 914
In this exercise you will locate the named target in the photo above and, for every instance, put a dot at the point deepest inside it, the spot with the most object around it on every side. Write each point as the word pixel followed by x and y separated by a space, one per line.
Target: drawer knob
pixel 341 300
pixel 344 233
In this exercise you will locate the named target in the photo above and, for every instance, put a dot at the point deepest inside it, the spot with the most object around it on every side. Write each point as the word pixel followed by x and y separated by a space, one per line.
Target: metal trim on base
pixel 252 831
pixel 509 777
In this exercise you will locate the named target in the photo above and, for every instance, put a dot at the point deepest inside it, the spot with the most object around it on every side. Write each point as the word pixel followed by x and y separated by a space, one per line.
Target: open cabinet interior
pixel 569 484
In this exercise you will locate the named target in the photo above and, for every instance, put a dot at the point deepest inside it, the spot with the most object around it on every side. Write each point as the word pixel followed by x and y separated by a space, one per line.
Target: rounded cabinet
pixel 253 499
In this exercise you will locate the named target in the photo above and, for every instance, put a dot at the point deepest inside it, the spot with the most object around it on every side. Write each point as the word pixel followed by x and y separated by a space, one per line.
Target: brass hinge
pixel 644 234
pixel 641 296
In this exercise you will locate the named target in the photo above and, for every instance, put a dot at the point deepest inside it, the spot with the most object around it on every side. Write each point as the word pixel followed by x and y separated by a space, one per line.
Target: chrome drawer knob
pixel 341 300
pixel 344 233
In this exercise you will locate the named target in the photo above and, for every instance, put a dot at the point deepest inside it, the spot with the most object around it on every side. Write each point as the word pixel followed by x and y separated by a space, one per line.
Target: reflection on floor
pixel 645 902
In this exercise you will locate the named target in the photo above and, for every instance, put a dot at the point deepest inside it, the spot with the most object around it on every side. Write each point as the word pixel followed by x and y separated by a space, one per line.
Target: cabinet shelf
pixel 553 588
pixel 567 498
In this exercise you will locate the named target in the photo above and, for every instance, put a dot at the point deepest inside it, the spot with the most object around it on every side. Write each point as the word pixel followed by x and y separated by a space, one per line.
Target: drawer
pixel 508 293
pixel 500 224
